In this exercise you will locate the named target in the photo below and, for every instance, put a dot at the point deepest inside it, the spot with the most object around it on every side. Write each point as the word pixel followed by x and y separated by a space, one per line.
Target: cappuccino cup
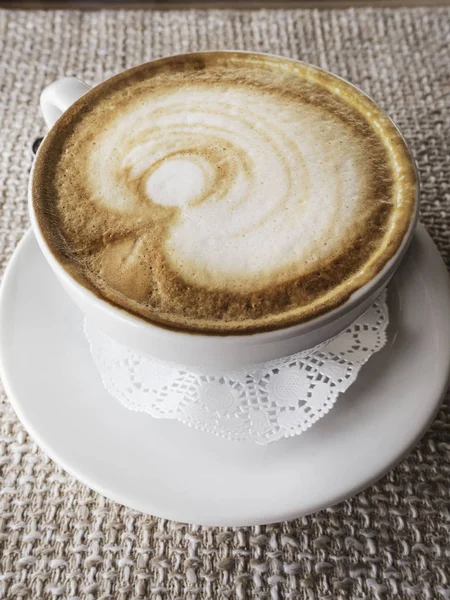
pixel 221 209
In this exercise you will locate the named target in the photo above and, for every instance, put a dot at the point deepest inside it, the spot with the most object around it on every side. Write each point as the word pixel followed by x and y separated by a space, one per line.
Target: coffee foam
pixel 225 193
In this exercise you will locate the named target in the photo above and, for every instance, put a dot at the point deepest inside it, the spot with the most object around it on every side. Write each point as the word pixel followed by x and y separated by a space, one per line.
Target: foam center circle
pixel 176 182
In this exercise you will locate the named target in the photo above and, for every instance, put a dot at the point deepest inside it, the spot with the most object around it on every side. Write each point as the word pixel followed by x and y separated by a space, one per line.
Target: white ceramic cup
pixel 197 350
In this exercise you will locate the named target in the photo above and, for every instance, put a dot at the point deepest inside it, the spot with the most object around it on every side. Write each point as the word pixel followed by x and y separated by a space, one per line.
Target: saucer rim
pixel 280 514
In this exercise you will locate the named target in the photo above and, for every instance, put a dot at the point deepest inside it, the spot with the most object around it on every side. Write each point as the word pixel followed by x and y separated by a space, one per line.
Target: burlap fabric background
pixel 58 539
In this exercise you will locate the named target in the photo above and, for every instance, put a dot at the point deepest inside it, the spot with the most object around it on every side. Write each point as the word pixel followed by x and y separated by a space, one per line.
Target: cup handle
pixel 59 95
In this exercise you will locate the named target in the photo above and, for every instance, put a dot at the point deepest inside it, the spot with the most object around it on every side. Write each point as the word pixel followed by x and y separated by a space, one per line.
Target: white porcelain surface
pixel 169 470
pixel 59 95
pixel 204 351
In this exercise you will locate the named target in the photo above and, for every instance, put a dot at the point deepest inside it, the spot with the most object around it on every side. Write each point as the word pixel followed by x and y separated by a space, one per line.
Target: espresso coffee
pixel 224 193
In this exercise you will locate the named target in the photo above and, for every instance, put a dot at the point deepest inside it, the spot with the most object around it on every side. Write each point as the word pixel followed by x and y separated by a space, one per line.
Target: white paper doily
pixel 264 403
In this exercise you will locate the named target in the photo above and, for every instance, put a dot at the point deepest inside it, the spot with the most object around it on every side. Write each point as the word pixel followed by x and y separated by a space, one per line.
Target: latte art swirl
pixel 259 200
pixel 217 195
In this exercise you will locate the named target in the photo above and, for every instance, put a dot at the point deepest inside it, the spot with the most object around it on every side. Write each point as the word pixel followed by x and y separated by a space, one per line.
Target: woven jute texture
pixel 58 538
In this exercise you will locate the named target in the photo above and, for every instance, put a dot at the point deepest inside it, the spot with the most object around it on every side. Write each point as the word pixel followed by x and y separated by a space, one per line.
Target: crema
pixel 224 193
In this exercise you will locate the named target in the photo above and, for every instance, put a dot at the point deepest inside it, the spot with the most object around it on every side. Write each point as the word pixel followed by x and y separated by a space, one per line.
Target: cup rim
pixel 285 332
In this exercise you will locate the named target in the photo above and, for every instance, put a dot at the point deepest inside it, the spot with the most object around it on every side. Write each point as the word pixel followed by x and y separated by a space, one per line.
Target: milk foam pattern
pixel 264 403
pixel 224 193
pixel 254 195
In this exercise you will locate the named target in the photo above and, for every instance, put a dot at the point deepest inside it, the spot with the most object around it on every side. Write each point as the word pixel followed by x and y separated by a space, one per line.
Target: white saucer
pixel 165 468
